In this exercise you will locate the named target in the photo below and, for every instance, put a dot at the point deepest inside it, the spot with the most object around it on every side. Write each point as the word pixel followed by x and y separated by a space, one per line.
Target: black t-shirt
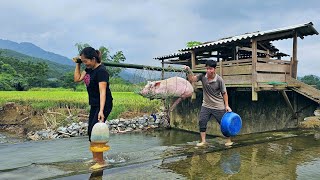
pixel 92 79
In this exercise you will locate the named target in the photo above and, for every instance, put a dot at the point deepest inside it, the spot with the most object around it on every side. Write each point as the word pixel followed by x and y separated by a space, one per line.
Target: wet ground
pixel 168 154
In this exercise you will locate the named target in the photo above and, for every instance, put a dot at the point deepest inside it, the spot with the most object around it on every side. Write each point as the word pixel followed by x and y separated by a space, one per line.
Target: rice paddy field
pixel 60 98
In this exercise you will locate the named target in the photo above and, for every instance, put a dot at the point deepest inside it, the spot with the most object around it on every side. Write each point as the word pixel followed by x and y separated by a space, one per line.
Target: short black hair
pixel 211 63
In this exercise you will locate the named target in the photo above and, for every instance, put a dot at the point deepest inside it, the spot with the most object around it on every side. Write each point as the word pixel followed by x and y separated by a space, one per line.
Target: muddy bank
pixel 24 121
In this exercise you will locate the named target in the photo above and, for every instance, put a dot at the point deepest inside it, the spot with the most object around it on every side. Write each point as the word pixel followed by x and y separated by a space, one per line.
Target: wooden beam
pixel 294 56
pixel 284 94
pixel 236 70
pixel 221 68
pixel 250 50
pixel 267 77
pixel 254 70
pixel 162 72
pixel 279 68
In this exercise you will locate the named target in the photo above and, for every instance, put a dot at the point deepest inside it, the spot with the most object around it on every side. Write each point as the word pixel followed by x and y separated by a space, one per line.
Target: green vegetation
pixel 311 80
pixel 55 70
pixel 193 43
pixel 42 100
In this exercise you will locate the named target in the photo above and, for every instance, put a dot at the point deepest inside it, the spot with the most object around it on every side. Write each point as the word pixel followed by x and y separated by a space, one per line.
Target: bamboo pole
pixel 154 68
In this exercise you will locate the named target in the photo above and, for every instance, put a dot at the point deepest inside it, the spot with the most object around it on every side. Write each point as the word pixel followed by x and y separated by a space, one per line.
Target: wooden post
pixel 294 56
pixel 193 60
pixel 284 94
pixel 162 72
pixel 254 70
pixel 221 71
pixel 193 66
pixel 237 52
pixel 268 54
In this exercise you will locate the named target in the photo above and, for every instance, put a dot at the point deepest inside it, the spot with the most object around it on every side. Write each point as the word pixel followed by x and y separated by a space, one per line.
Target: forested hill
pixel 55 70
pixel 34 51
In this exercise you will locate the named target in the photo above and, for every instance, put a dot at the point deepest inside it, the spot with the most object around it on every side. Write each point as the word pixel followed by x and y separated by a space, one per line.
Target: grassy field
pixel 53 98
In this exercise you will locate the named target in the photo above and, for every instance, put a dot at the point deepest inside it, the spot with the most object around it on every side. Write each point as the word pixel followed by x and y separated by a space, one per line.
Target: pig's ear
pixel 157 84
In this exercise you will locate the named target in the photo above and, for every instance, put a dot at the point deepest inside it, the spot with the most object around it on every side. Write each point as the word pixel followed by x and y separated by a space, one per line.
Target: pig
pixel 171 87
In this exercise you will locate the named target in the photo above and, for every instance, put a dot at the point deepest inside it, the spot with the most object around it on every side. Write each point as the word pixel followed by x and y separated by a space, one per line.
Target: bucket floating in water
pixel 100 133
pixel 231 124
pixel 99 147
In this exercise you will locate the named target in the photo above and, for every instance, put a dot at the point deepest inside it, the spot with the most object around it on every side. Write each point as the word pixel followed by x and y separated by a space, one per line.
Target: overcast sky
pixel 144 29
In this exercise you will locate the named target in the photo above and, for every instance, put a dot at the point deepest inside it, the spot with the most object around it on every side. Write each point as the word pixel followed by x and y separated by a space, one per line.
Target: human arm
pixel 102 92
pixel 77 75
pixel 226 103
pixel 191 76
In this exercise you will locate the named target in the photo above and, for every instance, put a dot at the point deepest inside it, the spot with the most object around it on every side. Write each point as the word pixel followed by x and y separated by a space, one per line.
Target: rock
pixel 116 121
pixel 129 129
pixel 34 137
pixel 74 133
pixel 121 125
pixel 84 125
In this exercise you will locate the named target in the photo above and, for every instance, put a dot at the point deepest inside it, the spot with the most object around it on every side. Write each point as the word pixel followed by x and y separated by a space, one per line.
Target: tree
pixel 193 43
pixel 118 57
pixel 311 80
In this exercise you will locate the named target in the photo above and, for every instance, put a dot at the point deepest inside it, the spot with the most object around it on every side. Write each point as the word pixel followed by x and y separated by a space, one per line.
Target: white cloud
pixel 144 29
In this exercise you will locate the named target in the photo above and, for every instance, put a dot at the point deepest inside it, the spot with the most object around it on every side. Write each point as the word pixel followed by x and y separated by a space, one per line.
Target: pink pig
pixel 171 87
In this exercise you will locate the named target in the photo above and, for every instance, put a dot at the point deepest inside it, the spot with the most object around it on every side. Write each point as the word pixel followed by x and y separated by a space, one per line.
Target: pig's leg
pixel 175 104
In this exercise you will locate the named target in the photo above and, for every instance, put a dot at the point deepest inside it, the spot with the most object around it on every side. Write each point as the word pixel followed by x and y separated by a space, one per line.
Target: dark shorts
pixel 93 117
pixel 206 114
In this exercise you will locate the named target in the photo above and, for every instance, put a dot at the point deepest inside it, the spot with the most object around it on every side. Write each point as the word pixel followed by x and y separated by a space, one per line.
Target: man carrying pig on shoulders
pixel 215 98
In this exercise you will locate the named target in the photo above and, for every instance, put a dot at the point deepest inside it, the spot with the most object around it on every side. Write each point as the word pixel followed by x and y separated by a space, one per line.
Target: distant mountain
pixel 56 70
pixel 34 51
pixel 131 76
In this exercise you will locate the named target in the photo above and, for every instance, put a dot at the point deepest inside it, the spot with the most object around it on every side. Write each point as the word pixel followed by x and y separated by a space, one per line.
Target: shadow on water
pixel 169 155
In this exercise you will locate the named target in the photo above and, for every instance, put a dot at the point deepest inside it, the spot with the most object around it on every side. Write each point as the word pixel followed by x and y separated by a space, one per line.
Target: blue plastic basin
pixel 231 124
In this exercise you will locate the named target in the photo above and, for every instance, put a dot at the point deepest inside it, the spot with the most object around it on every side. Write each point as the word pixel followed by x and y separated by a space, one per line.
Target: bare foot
pixel 228 144
pixel 98 166
pixel 202 144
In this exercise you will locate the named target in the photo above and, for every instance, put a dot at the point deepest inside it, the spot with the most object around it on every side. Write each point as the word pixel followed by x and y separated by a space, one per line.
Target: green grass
pixel 41 100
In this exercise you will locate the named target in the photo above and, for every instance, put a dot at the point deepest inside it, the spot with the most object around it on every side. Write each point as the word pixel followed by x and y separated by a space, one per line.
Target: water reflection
pixel 230 162
pixel 168 155
pixel 290 158
pixel 96 175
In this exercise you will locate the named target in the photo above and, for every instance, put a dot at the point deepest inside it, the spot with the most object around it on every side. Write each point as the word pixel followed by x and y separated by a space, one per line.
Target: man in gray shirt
pixel 215 98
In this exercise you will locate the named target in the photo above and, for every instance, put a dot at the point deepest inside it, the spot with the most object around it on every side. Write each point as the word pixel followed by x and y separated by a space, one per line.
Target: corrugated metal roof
pixel 303 30
pixel 176 54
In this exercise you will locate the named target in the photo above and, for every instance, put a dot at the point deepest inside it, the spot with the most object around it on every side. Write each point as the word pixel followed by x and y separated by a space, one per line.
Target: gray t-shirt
pixel 212 91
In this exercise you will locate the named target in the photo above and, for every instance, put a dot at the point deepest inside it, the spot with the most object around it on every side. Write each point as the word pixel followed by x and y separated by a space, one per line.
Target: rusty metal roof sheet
pixel 302 29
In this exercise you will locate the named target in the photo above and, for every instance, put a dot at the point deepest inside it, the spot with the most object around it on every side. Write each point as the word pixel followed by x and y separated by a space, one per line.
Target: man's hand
pixel 186 68
pixel 228 109
pixel 101 116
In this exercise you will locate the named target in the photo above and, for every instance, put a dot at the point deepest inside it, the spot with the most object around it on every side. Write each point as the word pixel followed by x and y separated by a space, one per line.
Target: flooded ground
pixel 168 154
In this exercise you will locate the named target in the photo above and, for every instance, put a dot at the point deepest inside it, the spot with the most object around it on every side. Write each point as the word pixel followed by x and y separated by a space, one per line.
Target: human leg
pixel 218 114
pixel 204 117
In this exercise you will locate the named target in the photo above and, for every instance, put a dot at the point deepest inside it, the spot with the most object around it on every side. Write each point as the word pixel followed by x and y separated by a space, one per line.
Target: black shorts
pixel 93 117
pixel 206 114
